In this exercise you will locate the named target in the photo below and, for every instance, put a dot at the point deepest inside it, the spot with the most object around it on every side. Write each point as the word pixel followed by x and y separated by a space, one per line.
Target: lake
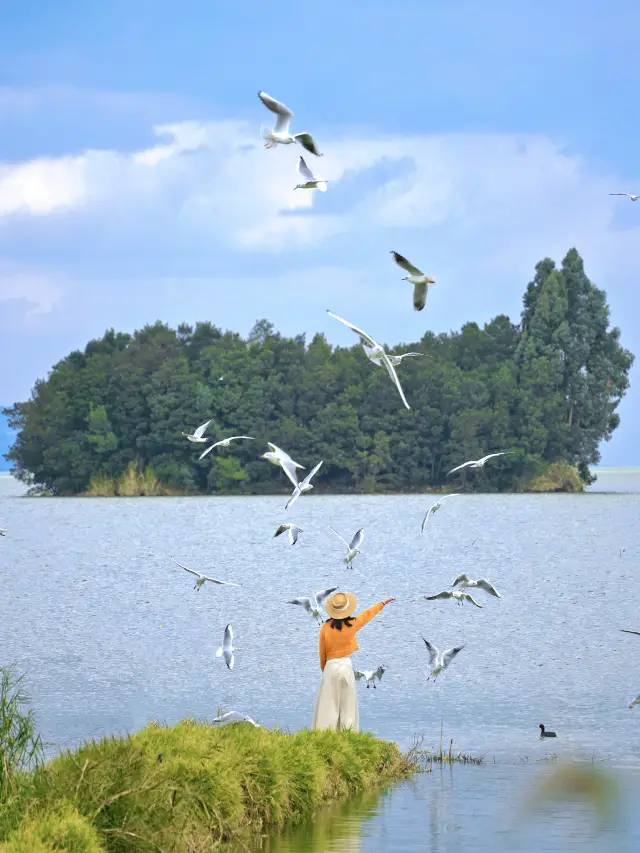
pixel 111 634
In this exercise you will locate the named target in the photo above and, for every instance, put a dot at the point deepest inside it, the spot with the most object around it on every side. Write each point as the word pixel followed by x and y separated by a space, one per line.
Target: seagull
pixel 636 701
pixel 436 507
pixel 438 660
pixel 304 486
pixel 293 529
pixel 234 717
pixel 197 433
pixel 354 547
pixel 279 457
pixel 374 356
pixel 203 578
pixel 417 278
pixel 227 648
pixel 224 443
pixel 369 675
pixel 632 197
pixel 627 631
pixel 312 182
pixel 544 733
pixel 312 605
pixel 477 463
pixel 464 582
pixel 280 133
pixel 460 597
pixel 379 350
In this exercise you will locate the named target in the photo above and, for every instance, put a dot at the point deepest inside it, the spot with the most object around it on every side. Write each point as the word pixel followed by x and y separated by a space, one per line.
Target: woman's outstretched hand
pixel 387 600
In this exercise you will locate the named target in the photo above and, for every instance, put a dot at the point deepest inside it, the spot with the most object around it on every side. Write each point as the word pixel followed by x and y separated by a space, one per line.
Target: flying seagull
pixel 224 443
pixel 304 486
pixel 460 597
pixel 280 133
pixel 417 278
pixel 632 197
pixel 369 675
pixel 203 578
pixel 313 605
pixel 312 182
pixel 234 717
pixel 374 356
pixel 626 631
pixel 438 660
pixel 354 548
pixel 436 507
pixel 636 701
pixel 477 463
pixel 379 350
pixel 293 529
pixel 227 648
pixel 198 433
pixel 279 457
pixel 465 582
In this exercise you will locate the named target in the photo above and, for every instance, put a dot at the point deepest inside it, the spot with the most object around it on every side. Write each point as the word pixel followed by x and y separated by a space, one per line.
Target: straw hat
pixel 340 605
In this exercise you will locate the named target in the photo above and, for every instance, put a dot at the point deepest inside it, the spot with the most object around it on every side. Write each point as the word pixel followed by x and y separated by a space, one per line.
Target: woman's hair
pixel 337 623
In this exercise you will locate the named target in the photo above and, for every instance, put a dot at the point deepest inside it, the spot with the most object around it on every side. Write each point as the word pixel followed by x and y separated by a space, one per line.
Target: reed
pixel 133 482
pixel 20 745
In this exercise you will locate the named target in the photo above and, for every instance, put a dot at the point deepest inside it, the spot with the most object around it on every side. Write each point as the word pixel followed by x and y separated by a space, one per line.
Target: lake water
pixel 111 634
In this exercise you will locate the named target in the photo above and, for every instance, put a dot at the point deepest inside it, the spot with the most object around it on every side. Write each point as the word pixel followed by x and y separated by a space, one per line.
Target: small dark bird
pixel 543 733
pixel 159 758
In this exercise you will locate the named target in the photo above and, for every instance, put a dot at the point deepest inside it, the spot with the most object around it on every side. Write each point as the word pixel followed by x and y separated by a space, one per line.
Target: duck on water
pixel 544 733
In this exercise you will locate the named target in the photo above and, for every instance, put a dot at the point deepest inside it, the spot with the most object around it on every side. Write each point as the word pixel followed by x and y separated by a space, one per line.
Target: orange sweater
pixel 340 644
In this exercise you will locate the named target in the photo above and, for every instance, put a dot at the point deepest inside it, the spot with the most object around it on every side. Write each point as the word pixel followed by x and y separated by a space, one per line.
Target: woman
pixel 337 702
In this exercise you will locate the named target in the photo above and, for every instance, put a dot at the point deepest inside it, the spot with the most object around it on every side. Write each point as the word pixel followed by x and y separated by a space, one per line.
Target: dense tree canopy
pixel 545 389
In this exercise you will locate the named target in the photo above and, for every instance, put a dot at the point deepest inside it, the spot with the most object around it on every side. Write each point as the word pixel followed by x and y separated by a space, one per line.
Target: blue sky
pixel 473 137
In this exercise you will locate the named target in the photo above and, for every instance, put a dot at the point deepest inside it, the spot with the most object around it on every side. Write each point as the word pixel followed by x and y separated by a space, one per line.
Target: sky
pixel 473 137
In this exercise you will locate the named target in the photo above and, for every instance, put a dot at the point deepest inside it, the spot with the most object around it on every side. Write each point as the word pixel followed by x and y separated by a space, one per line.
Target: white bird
pixel 465 582
pixel 203 578
pixel 417 278
pixel 477 463
pixel 281 458
pixel 293 529
pixel 280 133
pixel 374 356
pixel 636 701
pixel 312 181
pixel 436 507
pixel 369 675
pixel 314 604
pixel 354 548
pixel 304 486
pixel 198 433
pixel 438 660
pixel 632 197
pixel 460 597
pixel 227 648
pixel 379 350
pixel 225 442
pixel 234 717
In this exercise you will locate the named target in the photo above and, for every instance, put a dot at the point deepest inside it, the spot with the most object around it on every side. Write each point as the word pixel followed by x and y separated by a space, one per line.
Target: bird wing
pixel 281 529
pixel 410 355
pixel 394 377
pixel 355 329
pixel 235 437
pixel 228 658
pixel 294 531
pixel 294 497
pixel 369 352
pixel 460 578
pixel 468 597
pixel 433 652
pixel 429 511
pixel 618 193
pixel 227 640
pixel 284 113
pixel 379 673
pixel 357 539
pixel 627 631
pixel 283 454
pixel 444 594
pixel 322 596
pixel 359 674
pixel 223 583
pixel 404 263
pixel 187 569
pixel 199 432
pixel 304 170
pixel 208 450
pixel 487 587
pixel 307 142
pixel 491 455
pixel 464 465
pixel 346 545
pixel 313 471
pixel 419 296
pixel 303 602
pixel 449 655
pixel 289 468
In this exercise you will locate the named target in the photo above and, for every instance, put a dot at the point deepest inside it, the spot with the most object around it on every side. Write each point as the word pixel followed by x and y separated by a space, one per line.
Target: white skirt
pixel 337 702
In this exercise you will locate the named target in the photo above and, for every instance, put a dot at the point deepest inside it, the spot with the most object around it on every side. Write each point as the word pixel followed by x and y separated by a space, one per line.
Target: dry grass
pixel 557 477
pixel 133 482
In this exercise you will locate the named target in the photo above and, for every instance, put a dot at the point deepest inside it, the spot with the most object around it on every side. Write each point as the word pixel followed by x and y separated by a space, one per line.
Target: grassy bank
pixel 190 787
pixel 134 482
pixel 555 477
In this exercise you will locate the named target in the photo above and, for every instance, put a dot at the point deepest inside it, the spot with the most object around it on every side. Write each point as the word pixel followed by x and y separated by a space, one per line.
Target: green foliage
pixel 191 787
pixel 546 390
pixel 20 745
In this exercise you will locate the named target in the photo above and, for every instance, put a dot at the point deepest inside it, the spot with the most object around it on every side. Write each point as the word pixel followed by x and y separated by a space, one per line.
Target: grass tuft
pixel 20 745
